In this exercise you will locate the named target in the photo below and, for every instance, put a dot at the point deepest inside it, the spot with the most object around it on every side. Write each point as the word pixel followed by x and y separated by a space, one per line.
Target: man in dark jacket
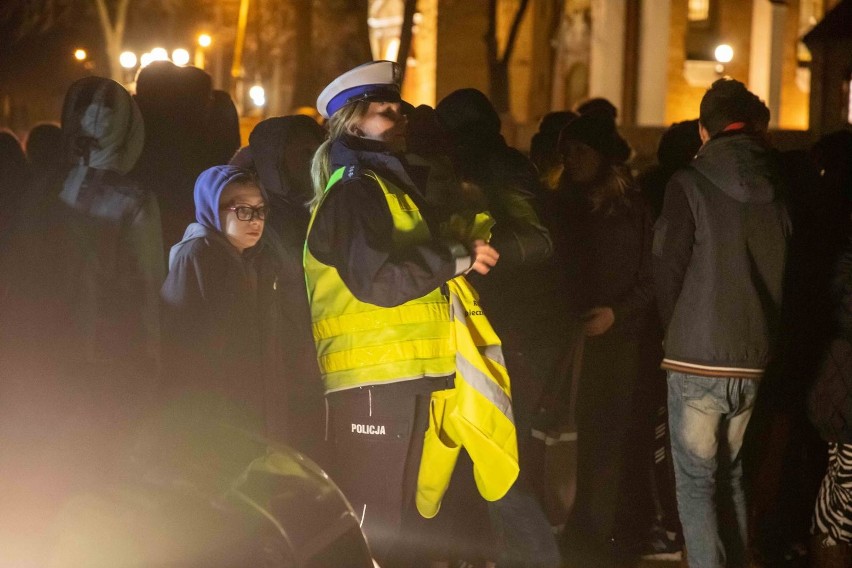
pixel 719 257
pixel 517 298
pixel 281 150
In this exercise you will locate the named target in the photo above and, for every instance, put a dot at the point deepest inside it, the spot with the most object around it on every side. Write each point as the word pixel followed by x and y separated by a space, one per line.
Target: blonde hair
pixel 613 190
pixel 344 121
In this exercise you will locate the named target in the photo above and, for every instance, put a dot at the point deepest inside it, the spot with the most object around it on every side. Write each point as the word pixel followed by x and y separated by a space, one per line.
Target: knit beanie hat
pixel 596 130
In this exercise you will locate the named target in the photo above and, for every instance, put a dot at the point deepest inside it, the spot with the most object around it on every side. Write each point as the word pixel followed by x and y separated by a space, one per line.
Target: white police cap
pixel 376 80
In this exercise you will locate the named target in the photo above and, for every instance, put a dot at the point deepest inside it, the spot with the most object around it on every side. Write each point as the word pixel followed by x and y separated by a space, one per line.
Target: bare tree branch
pixel 121 18
pixel 406 36
pixel 104 19
pixel 513 33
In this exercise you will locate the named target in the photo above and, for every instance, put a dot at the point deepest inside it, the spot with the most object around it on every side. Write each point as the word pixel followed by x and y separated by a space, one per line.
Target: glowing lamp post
pixel 257 95
pixel 127 60
pixel 180 56
pixel 204 41
pixel 724 53
pixel 80 54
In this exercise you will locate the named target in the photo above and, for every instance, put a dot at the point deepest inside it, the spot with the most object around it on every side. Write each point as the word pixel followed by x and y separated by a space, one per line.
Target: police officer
pixel 375 266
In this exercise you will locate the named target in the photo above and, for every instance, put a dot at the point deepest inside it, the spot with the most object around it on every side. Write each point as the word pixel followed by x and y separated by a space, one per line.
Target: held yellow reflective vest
pixel 476 413
pixel 361 344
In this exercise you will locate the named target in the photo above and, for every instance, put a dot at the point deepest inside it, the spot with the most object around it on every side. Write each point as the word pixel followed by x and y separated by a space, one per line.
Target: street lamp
pixel 180 56
pixel 257 95
pixel 80 54
pixel 204 41
pixel 724 53
pixel 159 54
pixel 146 59
pixel 127 59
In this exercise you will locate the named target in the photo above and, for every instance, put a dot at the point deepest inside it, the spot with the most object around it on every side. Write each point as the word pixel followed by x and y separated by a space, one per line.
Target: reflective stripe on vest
pixel 360 344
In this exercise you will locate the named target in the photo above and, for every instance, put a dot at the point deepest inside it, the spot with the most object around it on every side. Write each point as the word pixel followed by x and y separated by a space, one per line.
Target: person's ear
pixel 703 133
pixel 354 130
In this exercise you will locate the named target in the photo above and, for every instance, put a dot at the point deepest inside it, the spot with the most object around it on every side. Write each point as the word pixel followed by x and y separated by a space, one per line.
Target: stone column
pixel 606 70
pixel 767 54
pixel 652 79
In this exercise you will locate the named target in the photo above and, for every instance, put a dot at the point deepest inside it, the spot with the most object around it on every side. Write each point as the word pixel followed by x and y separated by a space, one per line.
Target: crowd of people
pixel 406 299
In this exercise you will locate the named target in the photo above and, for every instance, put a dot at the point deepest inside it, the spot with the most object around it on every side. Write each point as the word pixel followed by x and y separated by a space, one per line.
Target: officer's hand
pixel 597 321
pixel 484 256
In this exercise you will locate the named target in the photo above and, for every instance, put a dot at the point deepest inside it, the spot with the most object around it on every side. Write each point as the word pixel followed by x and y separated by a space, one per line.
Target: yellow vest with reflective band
pixel 360 344
pixel 476 414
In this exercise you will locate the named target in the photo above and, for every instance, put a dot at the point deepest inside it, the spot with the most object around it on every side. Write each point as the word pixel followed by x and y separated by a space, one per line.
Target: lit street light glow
pixel 80 54
pixel 127 59
pixel 257 95
pixel 180 56
pixel 724 53
pixel 204 40
pixel 159 54
pixel 146 59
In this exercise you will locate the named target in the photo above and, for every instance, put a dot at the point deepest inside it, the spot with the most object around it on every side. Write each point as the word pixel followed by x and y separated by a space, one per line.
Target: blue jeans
pixel 708 418
pixel 522 531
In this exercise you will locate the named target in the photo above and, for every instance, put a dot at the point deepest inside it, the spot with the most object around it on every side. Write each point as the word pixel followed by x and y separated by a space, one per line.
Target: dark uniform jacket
pixel 720 249
pixel 353 230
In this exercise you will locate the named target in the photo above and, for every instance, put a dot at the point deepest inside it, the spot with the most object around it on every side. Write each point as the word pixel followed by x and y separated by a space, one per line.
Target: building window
pixel 698 11
pixel 701 30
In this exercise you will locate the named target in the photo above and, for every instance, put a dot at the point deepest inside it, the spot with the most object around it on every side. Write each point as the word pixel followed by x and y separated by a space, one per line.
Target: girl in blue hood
pixel 219 312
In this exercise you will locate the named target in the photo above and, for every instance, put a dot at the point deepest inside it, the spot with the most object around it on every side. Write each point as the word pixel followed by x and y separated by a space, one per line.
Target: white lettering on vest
pixel 376 430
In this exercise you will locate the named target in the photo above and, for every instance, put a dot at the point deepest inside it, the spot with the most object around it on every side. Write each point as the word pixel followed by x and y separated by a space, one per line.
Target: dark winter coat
pixel 519 305
pixel 111 241
pixel 720 250
pixel 220 316
pixel 830 399
pixel 604 258
pixel 288 193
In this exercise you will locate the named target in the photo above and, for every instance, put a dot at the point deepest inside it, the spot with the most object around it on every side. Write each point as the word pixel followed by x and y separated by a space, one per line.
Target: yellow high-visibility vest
pixel 476 414
pixel 361 344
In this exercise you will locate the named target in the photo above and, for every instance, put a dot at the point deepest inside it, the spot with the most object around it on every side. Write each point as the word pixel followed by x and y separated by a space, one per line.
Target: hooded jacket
pixel 275 144
pixel 219 315
pixel 519 306
pixel 720 249
pixel 113 260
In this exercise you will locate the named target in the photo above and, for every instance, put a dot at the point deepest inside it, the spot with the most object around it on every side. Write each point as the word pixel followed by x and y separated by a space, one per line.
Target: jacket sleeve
pixel 353 232
pixel 519 235
pixel 639 298
pixel 146 268
pixel 187 320
pixel 674 235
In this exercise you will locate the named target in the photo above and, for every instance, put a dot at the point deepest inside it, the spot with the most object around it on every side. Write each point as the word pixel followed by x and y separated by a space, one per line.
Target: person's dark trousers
pixel 610 366
pixel 523 533
pixel 376 435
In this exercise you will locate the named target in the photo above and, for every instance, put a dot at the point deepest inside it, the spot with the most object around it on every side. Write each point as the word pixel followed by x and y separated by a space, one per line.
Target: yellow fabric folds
pixel 476 414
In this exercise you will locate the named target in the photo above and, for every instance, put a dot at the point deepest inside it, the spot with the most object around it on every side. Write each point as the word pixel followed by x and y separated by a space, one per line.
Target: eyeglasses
pixel 247 213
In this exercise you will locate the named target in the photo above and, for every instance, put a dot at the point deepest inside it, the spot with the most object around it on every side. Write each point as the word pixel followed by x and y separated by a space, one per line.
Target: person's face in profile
pixel 384 122
pixel 243 214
